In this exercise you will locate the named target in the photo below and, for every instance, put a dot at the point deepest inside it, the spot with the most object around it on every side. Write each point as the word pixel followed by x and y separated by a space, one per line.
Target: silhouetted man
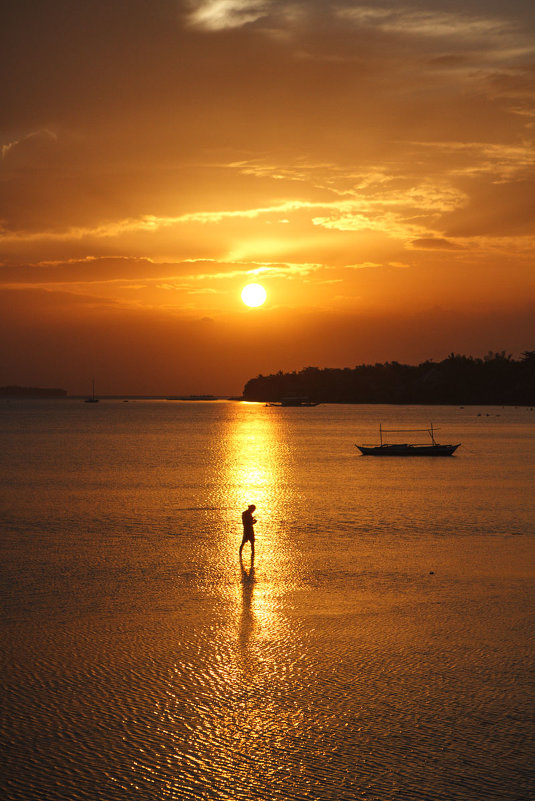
pixel 248 528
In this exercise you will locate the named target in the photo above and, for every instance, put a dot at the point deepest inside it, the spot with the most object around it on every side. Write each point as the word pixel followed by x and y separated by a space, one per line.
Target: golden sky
pixel 371 165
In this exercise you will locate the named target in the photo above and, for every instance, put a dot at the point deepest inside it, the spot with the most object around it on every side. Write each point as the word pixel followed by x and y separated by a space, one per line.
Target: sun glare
pixel 253 295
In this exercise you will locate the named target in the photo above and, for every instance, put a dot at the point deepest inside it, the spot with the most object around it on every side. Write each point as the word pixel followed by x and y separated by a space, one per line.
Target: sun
pixel 253 295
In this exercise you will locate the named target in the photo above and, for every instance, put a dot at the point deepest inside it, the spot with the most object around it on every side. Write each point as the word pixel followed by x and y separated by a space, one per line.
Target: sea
pixel 380 646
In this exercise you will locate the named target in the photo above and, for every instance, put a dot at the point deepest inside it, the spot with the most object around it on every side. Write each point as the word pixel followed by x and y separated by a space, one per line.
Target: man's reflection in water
pixel 248 581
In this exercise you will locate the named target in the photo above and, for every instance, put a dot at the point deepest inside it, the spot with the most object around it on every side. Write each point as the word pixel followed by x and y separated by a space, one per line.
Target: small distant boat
pixel 92 399
pixel 405 449
pixel 295 401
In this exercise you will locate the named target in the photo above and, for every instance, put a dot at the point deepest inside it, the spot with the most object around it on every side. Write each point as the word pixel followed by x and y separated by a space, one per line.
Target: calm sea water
pixel 380 647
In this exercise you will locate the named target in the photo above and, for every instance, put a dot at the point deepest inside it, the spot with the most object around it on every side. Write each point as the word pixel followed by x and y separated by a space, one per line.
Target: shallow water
pixel 380 647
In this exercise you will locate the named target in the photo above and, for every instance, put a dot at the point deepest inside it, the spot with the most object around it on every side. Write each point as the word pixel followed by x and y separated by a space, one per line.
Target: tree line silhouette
pixel 497 379
pixel 32 392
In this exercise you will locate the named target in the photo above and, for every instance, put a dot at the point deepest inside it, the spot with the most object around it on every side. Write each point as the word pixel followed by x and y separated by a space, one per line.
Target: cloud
pixel 400 213
pixel 151 223
pixel 495 210
pixel 217 15
pixel 427 23
pixel 435 243
pixel 250 269
pixel 44 300
pixel 497 160
pixel 89 271
pixel 395 211
pixel 365 265
pixel 119 274
pixel 29 144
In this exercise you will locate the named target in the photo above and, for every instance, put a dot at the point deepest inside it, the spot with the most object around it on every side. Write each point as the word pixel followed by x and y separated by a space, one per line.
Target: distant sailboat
pixel 92 399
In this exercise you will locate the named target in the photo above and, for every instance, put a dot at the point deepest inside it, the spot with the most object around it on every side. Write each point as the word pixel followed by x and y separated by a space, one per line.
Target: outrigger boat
pixel 404 449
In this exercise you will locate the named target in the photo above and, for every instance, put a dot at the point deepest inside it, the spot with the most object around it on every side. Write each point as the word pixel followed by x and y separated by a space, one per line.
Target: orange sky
pixel 371 165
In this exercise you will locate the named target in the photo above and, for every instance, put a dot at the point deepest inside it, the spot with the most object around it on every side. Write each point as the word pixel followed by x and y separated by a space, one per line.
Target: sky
pixel 371 165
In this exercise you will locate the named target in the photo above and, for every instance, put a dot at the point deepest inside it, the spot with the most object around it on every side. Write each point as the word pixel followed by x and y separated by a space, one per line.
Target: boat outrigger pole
pixel 431 431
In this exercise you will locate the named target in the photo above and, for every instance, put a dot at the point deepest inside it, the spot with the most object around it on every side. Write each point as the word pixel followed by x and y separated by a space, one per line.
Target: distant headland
pixel 497 379
pixel 32 392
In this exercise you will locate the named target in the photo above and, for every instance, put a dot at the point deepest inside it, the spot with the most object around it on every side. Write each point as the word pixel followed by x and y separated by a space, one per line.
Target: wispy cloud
pixel 136 274
pixel 400 213
pixel 435 243
pixel 43 135
pixel 465 44
pixel 429 22
pixel 390 209
pixel 365 265
pixel 217 15
pixel 501 161
pixel 149 223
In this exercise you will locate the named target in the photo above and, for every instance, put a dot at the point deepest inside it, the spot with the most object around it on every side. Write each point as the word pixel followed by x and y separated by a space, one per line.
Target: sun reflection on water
pixel 256 463
pixel 256 466
pixel 235 670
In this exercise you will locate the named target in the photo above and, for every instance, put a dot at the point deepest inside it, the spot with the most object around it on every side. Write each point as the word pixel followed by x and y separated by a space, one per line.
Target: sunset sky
pixel 371 165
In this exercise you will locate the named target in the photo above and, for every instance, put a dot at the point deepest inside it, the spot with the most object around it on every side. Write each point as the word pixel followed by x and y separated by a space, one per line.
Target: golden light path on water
pixel 234 687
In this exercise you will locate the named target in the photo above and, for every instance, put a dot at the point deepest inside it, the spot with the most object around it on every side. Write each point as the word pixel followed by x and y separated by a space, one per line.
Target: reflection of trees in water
pixel 247 622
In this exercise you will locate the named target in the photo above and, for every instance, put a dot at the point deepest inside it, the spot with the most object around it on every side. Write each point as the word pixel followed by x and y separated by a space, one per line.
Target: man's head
pixel 252 507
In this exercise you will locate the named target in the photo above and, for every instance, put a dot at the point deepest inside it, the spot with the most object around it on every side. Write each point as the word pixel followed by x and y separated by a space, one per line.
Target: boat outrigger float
pixel 404 449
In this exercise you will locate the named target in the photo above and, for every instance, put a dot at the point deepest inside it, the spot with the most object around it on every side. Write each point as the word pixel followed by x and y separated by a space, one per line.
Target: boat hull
pixel 407 450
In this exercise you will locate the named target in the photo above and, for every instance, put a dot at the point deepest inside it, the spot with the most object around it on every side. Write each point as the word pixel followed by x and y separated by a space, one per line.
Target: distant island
pixel 32 392
pixel 497 379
